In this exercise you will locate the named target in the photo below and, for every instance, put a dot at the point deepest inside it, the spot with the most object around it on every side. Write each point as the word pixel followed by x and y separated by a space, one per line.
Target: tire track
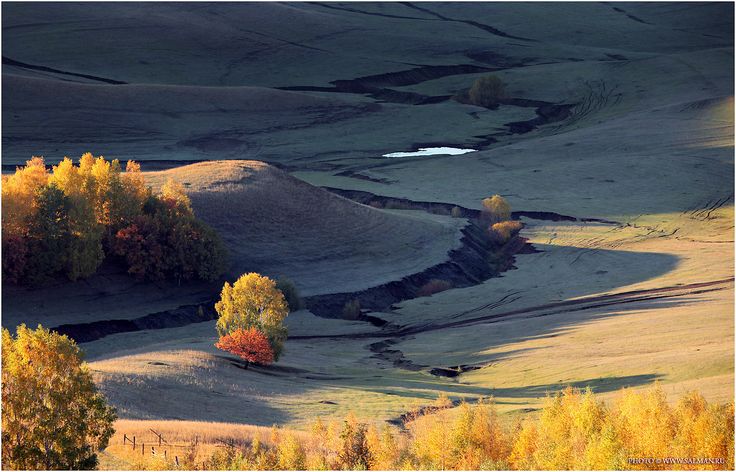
pixel 579 304
pixel 482 26
pixel 12 62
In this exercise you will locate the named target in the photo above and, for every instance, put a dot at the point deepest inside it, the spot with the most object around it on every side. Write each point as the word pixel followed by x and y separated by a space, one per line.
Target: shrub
pixel 456 212
pixel 495 209
pixel 253 301
pixel 250 345
pixel 487 91
pixel 433 286
pixel 291 293
pixel 503 232
pixel 53 416
pixel 351 309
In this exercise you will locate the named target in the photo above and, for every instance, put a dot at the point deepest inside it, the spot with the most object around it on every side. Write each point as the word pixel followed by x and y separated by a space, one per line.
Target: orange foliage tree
pixel 251 345
pixel 253 301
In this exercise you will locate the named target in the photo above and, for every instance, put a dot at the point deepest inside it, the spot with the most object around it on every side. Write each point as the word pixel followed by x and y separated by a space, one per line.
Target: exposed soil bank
pixel 476 260
pixel 546 113
pixel 375 86
pixel 181 316
pixel 441 208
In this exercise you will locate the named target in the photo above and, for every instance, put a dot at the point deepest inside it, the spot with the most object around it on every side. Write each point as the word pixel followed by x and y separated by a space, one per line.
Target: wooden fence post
pixel 134 443
pixel 143 448
pixel 125 438
pixel 176 459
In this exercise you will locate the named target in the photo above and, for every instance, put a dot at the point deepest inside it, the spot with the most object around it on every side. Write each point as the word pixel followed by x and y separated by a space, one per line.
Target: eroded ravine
pixel 469 264
pixel 466 266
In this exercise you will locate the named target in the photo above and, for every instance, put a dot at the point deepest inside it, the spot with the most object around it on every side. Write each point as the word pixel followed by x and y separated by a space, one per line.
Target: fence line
pixel 164 445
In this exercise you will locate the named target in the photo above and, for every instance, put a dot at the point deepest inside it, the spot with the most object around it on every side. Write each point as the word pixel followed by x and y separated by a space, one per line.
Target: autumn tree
pixel 291 293
pixel 291 453
pixel 354 452
pixel 384 447
pixel 502 232
pixel 173 193
pixel 19 206
pixel 53 416
pixel 250 344
pixel 168 241
pixel 496 209
pixel 431 437
pixel 48 235
pixel 253 301
pixel 487 91
pixel 19 192
pixel 84 251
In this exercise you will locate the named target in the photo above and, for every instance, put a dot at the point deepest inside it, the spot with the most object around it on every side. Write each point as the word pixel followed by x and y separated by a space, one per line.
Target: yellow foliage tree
pixel 253 301
pixel 53 415
pixel 430 440
pixel 18 196
pixel 291 453
pixel 173 191
pixel 496 209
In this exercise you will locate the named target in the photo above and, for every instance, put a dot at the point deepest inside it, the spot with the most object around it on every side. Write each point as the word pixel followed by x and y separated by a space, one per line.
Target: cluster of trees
pixel 250 318
pixel 574 431
pixel 53 417
pixel 68 220
pixel 496 212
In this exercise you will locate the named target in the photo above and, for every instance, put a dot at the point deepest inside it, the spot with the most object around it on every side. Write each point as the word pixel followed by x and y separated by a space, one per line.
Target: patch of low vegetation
pixel 351 309
pixel 433 286
pixel 487 91
pixel 53 417
pixel 574 431
pixel 69 220
pixel 504 231
pixel 250 311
